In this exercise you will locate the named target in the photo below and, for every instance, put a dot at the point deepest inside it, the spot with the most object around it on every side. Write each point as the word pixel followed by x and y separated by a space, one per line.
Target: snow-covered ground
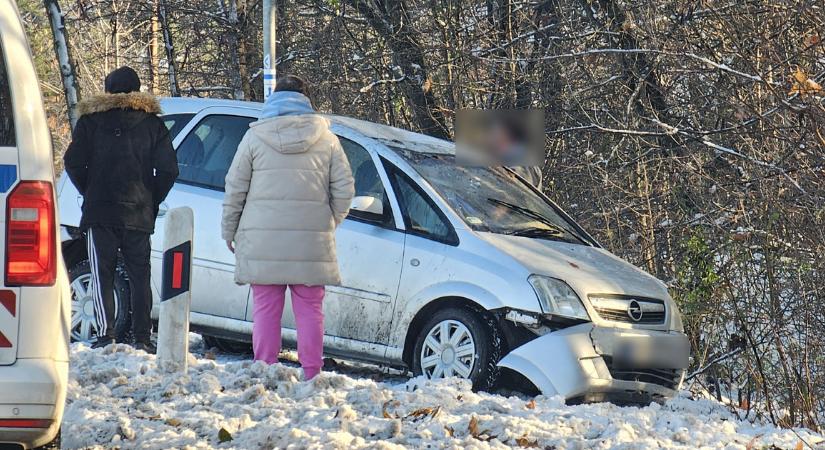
pixel 119 399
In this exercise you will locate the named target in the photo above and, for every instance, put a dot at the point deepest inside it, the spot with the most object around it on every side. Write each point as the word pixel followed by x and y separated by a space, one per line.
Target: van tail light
pixel 31 249
pixel 25 423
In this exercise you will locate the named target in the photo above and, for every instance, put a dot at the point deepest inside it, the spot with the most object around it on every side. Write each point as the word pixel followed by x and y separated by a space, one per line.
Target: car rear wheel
pixel 84 326
pixel 459 342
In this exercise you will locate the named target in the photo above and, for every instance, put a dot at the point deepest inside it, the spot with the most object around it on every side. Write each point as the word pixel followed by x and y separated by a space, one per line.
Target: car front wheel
pixel 459 342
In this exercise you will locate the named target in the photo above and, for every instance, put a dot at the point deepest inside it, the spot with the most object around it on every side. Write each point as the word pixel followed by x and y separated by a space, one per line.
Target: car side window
pixel 421 216
pixel 7 136
pixel 367 180
pixel 206 153
pixel 176 122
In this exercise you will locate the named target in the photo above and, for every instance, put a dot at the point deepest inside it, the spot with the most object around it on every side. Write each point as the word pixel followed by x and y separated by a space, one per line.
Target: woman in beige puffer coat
pixel 288 188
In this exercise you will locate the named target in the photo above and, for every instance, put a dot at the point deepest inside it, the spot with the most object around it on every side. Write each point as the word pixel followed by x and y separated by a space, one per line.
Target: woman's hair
pixel 292 83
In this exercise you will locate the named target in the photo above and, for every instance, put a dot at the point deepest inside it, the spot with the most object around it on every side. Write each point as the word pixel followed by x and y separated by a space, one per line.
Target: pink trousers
pixel 307 305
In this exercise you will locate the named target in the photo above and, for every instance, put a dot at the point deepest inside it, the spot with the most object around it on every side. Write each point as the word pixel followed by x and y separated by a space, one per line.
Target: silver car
pixel 448 271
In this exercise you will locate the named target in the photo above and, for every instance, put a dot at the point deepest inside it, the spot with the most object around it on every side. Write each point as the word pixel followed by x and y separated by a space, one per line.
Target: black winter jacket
pixel 121 159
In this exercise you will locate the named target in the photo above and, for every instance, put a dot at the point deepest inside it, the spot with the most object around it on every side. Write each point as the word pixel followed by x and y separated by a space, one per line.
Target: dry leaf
pixel 525 442
pixel 752 442
pixel 800 445
pixel 224 435
pixel 450 432
pixel 473 426
pixel 384 411
pixel 803 85
pixel 423 412
pixel 173 422
pixel 531 404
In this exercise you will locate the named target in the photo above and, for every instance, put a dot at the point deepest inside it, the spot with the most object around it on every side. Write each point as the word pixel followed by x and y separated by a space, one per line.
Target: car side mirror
pixel 367 204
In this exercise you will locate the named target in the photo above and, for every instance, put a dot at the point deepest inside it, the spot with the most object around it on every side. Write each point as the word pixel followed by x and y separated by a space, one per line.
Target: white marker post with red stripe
pixel 176 295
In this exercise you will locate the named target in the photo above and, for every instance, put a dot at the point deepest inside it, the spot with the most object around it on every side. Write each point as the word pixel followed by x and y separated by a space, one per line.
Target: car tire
pixel 84 326
pixel 226 345
pixel 465 329
pixel 54 444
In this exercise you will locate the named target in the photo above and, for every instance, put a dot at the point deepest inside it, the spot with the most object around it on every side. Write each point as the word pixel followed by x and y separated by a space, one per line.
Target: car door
pixel 205 150
pixel 429 237
pixel 370 252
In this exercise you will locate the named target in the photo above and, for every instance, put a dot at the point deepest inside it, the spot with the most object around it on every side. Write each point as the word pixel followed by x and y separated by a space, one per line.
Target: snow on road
pixel 118 398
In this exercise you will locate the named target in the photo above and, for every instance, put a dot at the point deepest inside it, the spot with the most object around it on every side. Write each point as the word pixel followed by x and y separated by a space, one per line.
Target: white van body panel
pixel 33 384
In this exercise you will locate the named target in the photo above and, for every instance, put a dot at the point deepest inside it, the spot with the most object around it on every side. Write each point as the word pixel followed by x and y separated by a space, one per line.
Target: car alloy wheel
pixel 84 323
pixel 449 350
pixel 84 326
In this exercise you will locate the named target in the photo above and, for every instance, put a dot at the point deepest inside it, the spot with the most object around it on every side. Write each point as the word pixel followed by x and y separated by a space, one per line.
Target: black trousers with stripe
pixel 135 246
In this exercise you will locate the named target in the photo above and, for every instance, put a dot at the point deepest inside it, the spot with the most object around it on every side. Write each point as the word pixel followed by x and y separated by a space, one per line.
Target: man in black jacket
pixel 121 159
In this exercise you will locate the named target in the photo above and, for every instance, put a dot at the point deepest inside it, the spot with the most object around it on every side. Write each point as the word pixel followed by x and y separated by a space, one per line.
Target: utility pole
pixel 270 30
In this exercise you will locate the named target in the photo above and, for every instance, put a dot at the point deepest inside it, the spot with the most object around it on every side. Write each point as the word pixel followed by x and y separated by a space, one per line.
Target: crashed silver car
pixel 448 271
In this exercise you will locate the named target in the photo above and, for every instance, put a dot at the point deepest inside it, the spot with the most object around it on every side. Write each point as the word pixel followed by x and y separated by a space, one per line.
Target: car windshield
pixel 492 199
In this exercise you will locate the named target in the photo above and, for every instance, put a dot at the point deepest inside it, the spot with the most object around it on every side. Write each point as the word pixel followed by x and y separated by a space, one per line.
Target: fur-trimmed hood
pixel 139 101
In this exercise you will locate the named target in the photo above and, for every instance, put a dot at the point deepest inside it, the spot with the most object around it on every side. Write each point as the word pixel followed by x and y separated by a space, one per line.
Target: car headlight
pixel 557 298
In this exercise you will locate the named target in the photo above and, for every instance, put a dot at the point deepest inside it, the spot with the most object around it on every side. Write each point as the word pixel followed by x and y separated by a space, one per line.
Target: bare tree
pixel 68 74
pixel 169 48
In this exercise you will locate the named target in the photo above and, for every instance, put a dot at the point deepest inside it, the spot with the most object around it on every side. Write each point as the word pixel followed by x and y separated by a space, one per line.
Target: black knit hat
pixel 122 81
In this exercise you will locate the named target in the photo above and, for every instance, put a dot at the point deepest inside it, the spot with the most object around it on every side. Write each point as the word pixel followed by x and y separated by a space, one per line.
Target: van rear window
pixel 7 137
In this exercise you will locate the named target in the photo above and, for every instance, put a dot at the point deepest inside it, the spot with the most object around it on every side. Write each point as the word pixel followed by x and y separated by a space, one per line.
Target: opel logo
pixel 634 311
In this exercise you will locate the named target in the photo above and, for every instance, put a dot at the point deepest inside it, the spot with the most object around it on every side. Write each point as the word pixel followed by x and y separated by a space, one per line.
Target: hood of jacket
pixel 286 103
pixel 291 134
pixel 125 110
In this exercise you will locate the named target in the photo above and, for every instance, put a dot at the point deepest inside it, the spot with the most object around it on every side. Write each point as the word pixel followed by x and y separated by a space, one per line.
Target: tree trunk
pixel 163 18
pixel 68 73
pixel 154 57
pixel 235 62
pixel 392 22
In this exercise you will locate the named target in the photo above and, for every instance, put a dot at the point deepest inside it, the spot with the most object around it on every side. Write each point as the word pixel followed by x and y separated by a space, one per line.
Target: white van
pixel 34 297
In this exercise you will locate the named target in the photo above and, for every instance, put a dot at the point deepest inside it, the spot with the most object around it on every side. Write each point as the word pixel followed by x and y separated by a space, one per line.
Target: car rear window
pixel 7 136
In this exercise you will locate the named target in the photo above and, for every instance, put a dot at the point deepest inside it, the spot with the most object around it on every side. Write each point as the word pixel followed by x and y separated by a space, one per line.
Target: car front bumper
pixel 582 363
pixel 32 389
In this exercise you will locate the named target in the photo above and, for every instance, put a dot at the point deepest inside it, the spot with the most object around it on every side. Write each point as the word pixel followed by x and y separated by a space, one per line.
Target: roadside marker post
pixel 176 295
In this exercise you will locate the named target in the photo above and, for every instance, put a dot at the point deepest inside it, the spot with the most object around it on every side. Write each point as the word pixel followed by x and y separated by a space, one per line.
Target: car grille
pixel 643 311
pixel 668 378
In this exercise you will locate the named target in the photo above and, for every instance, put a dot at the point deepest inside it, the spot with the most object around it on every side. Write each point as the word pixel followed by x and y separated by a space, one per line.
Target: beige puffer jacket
pixel 289 187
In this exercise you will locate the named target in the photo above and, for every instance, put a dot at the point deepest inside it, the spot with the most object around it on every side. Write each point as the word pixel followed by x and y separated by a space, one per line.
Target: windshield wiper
pixel 535 232
pixel 554 228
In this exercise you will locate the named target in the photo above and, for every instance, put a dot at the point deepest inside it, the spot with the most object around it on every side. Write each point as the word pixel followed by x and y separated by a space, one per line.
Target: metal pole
pixel 270 30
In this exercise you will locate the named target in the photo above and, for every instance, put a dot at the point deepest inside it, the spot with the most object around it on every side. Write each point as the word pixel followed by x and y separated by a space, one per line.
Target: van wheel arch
pixel 74 252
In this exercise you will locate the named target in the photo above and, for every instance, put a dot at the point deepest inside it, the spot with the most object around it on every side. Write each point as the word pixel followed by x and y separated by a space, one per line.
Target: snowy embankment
pixel 118 398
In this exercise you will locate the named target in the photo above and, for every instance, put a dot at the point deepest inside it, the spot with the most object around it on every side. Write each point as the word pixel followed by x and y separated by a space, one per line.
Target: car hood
pixel 588 270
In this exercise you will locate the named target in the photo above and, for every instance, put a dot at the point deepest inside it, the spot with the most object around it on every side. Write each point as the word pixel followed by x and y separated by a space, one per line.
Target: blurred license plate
pixel 637 352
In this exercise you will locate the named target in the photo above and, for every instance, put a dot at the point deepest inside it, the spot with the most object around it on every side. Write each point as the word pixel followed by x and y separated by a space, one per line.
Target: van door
pixel 8 177
pixel 205 149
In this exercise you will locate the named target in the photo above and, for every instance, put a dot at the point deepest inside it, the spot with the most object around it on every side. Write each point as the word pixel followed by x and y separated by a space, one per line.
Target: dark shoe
pixel 147 347
pixel 103 342
pixel 125 338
